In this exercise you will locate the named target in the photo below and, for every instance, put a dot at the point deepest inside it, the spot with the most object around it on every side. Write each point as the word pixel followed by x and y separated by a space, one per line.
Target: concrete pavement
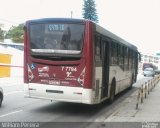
pixel 8 81
pixel 126 115
pixel 148 111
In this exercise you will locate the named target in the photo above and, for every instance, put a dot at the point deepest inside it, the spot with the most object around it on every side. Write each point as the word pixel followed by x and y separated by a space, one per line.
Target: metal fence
pixel 145 89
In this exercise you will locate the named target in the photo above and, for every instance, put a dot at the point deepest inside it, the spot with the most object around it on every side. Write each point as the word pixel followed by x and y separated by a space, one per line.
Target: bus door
pixel 105 67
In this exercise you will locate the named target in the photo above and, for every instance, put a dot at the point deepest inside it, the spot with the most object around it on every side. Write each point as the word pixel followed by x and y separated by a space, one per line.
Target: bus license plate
pixel 54 82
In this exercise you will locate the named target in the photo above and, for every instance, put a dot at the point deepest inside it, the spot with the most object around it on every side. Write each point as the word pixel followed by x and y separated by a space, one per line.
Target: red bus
pixel 76 60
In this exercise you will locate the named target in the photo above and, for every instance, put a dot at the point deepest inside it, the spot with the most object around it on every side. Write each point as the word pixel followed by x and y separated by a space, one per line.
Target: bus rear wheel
pixel 132 82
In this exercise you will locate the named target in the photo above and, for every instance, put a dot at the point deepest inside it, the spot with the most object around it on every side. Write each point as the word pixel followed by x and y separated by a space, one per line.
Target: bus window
pixel 126 66
pixel 114 57
pixel 129 58
pixel 121 56
pixel 56 38
pixel 97 47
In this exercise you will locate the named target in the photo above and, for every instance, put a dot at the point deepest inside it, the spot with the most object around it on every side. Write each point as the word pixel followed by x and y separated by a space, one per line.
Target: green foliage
pixel 16 33
pixel 1 34
pixel 89 10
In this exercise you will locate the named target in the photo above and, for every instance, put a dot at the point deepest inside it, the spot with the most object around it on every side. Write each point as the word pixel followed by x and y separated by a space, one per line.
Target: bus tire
pixel 131 85
pixel 112 91
pixel 1 98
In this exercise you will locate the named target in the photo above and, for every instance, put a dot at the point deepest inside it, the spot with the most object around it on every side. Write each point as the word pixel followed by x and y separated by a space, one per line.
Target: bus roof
pixel 98 28
pixel 56 19
pixel 114 37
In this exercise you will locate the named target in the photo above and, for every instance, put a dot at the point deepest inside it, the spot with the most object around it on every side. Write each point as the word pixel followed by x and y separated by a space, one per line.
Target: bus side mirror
pixel 24 28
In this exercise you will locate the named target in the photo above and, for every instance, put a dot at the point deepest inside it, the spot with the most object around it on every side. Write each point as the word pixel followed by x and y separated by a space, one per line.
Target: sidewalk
pixel 9 81
pixel 148 111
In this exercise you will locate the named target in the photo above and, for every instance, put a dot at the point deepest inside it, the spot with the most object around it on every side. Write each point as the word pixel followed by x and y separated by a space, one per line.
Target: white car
pixel 148 72
pixel 1 96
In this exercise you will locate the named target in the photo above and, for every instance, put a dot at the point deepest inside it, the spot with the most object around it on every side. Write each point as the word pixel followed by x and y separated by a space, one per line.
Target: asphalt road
pixel 16 108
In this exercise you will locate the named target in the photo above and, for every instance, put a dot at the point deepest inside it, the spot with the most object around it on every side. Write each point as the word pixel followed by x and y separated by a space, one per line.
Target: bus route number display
pixel 56 27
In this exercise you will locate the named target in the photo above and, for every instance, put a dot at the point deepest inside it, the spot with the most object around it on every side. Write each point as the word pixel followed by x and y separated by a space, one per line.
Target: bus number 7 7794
pixel 76 60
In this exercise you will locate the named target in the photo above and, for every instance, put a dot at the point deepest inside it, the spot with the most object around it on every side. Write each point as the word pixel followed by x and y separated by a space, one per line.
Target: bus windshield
pixel 56 38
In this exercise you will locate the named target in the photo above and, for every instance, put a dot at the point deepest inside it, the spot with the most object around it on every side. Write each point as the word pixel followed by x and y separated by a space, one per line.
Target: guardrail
pixel 9 65
pixel 145 89
pixel 8 70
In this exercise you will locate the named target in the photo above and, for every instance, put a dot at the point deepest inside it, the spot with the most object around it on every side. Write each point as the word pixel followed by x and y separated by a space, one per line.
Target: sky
pixel 136 21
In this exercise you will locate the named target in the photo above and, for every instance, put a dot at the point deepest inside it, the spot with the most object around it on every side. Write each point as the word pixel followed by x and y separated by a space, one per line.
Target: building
pixel 149 58
pixel 9 54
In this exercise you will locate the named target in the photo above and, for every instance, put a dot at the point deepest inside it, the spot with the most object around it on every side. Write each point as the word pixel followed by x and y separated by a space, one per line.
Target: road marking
pixel 11 113
pixel 9 93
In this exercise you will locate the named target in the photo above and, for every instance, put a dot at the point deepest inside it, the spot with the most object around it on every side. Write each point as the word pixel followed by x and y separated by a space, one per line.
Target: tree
pixel 89 10
pixel 1 34
pixel 16 33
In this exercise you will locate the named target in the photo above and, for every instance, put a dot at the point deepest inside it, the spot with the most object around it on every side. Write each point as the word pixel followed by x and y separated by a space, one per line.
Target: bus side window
pixel 121 56
pixel 114 54
pixel 126 66
pixel 129 59
pixel 133 60
pixel 97 47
